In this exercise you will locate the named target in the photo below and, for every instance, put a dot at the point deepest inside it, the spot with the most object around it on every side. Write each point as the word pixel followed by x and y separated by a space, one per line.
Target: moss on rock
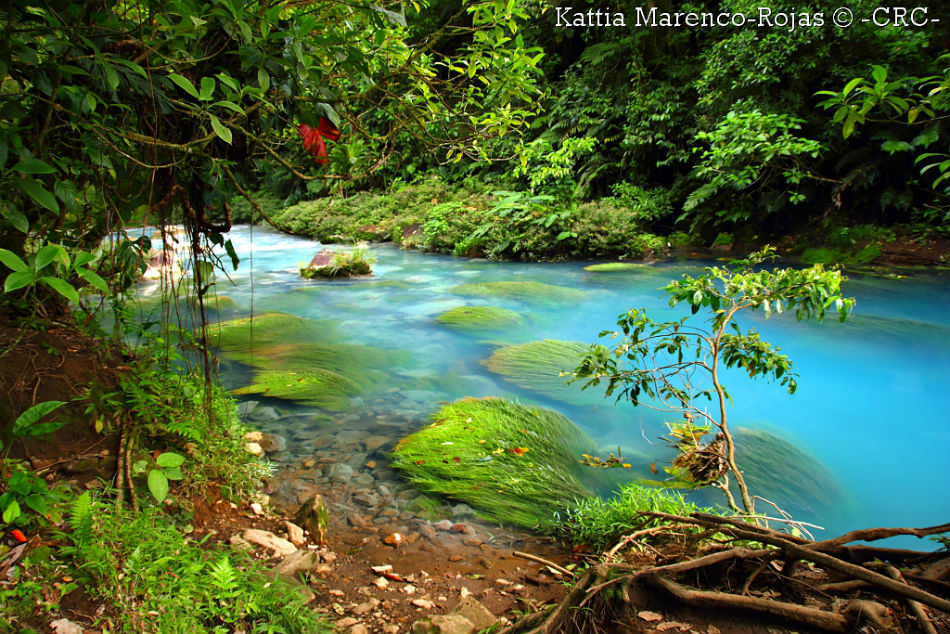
pixel 270 329
pixel 480 319
pixel 613 267
pixel 537 365
pixel 511 463
pixel 522 291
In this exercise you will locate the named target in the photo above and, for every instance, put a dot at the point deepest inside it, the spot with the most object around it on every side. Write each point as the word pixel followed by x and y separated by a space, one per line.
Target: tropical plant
pixel 673 365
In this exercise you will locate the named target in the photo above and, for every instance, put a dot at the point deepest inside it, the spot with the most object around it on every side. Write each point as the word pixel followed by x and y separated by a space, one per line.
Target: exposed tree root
pixel 722 577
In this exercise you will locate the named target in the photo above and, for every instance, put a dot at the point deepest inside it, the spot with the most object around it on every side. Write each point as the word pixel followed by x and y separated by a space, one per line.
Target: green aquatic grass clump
pixel 321 388
pixel 781 472
pixel 613 267
pixel 599 522
pixel 537 366
pixel 510 462
pixel 480 319
pixel 521 291
pixel 295 359
pixel 268 329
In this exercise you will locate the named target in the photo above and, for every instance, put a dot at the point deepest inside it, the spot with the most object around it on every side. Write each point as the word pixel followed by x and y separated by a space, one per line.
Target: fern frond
pixel 80 517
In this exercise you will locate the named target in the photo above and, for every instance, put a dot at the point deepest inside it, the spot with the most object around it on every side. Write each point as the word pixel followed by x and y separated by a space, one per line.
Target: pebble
pixel 381 582
pixel 425 604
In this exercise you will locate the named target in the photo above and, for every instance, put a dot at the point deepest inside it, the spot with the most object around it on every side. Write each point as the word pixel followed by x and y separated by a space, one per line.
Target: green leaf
pixel 51 253
pixel 174 473
pixel 158 485
pixel 223 133
pixel 62 287
pixel 230 105
pixel 232 254
pixel 12 260
pixel 207 88
pixel 18 280
pixel 170 460
pixel 15 218
pixel 30 417
pixel 34 166
pixel 83 258
pixel 263 79
pixel 93 279
pixel 185 84
pixel 848 87
pixel 11 512
pixel 38 193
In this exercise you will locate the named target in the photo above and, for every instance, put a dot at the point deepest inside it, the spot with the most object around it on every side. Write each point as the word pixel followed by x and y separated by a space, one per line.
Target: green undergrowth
pixel 777 470
pixel 599 522
pixel 470 220
pixel 169 583
pixel 537 366
pixel 521 291
pixel 510 462
pixel 480 319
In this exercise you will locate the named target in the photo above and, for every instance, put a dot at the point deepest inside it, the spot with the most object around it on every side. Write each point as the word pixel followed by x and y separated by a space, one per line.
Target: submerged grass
pixel 521 291
pixel 537 366
pixel 781 472
pixel 292 360
pixel 480 319
pixel 510 462
pixel 612 267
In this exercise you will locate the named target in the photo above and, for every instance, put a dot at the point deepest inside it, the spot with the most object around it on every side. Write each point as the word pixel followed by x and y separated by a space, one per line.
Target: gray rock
pixel 459 510
pixel 246 408
pixel 476 613
pixel 262 414
pixel 341 471
pixel 443 624
pixel 364 480
pixel 366 499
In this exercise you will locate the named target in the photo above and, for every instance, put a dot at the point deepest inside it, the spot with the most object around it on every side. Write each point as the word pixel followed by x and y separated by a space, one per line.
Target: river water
pixel 873 404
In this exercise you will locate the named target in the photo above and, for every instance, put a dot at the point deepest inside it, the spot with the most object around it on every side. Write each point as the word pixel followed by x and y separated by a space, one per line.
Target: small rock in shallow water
pixel 254 449
pixel 443 624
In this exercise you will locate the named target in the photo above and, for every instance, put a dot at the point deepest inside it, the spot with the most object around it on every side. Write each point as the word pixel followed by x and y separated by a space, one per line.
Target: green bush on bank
pixel 434 216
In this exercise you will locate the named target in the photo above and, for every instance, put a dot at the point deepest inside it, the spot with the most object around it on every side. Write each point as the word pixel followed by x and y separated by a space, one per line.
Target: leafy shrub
pixel 599 522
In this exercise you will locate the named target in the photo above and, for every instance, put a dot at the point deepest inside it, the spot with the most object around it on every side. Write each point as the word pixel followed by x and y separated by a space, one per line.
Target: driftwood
pixel 704 576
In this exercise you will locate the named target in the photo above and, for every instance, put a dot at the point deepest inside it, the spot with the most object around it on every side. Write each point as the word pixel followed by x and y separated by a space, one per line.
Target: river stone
pixel 267 539
pixel 273 443
pixel 443 624
pixel 375 442
pixel 364 480
pixel 341 471
pixel 295 534
pixel 254 449
pixel 463 510
pixel 263 414
pixel 476 613
pixel 246 408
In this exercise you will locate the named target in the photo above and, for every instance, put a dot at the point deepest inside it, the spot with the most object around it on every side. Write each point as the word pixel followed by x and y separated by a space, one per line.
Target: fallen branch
pixel 811 617
pixel 916 609
pixel 541 560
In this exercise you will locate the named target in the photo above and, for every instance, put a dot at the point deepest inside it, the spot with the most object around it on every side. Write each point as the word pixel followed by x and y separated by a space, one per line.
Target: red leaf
pixel 313 139
pixel 457 459
pixel 18 535
pixel 519 451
